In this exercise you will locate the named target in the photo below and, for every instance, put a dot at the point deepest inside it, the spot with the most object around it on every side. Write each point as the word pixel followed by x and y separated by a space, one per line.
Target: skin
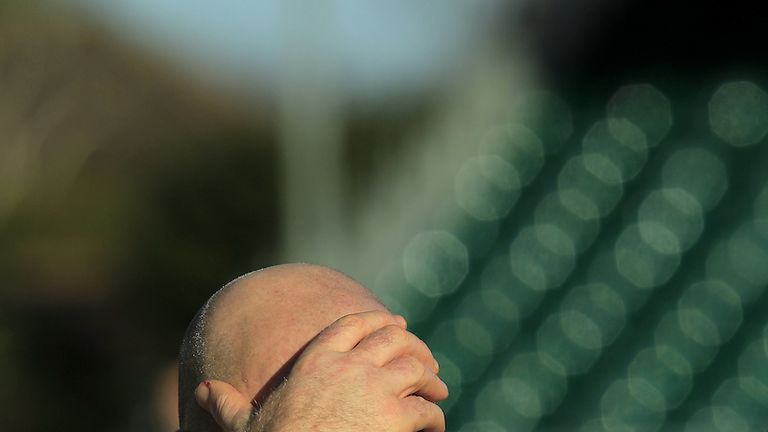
pixel 308 349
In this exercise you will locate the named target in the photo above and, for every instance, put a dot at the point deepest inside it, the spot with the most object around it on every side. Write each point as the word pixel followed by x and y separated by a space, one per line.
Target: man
pixel 303 348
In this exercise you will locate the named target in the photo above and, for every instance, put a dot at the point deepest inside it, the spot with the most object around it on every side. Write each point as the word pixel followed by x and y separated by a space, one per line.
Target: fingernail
pixel 202 392
pixel 437 365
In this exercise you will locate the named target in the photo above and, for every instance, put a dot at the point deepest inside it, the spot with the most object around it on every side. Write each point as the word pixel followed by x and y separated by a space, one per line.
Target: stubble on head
pixel 259 323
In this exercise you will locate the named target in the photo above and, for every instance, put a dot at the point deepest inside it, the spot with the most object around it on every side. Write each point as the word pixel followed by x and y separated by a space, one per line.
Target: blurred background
pixel 567 199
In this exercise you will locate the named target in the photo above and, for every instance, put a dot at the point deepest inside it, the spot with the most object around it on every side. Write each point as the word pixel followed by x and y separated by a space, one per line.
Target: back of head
pixel 249 331
pixel 193 370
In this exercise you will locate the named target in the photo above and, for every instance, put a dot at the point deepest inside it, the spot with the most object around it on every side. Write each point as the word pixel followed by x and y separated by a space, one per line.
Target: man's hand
pixel 363 372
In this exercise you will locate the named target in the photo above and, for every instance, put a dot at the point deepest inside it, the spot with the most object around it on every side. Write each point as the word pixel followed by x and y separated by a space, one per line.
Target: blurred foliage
pixel 128 195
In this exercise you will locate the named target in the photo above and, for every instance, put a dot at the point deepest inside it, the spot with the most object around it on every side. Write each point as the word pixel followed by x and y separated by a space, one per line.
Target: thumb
pixel 228 407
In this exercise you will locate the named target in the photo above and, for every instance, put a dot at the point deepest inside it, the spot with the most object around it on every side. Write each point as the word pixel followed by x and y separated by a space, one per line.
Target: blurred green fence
pixel 602 276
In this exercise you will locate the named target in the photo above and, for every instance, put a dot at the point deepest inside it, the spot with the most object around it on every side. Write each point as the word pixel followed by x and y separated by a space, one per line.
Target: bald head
pixel 249 332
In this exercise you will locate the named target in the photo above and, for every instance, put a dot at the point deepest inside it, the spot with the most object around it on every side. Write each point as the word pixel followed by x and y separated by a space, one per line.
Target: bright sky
pixel 379 46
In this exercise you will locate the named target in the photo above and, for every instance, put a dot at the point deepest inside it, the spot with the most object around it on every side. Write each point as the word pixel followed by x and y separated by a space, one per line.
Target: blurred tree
pixel 127 195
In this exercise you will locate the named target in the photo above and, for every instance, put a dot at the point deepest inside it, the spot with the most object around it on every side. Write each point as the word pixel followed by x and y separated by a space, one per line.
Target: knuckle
pixel 439 417
pixel 354 321
pixel 409 365
pixel 430 411
pixel 391 334
pixel 356 355
pixel 397 333
pixel 384 336
pixel 421 345
pixel 328 334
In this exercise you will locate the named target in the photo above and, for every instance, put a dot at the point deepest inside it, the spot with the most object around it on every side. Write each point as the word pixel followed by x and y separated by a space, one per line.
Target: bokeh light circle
pixel 698 326
pixel 622 411
pixel 574 212
pixel 660 237
pixel 604 270
pixel 542 256
pixel 454 338
pixel 578 174
pixel 487 187
pixel 732 260
pixel 593 425
pixel 500 304
pixel 756 392
pixel 710 312
pixel 619 142
pixel 494 319
pixel 581 329
pixel 717 419
pixel 393 289
pixel 752 365
pixel 669 333
pixel 745 401
pixel 473 336
pixel 677 211
pixel 738 113
pixel 761 210
pixel 603 168
pixel 533 384
pixel 547 115
pixel 765 339
pixel 664 369
pixel 482 426
pixel 451 374
pixel 492 404
pixel 602 304
pixel 644 106
pixel 748 253
pixel 518 146
pixel 575 349
pixel 578 204
pixel 640 263
pixel 699 172
pixel 435 263
pixel 477 235
pixel 497 275
pixel 728 420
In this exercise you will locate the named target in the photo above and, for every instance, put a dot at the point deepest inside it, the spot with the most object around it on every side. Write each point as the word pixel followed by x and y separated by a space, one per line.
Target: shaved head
pixel 250 332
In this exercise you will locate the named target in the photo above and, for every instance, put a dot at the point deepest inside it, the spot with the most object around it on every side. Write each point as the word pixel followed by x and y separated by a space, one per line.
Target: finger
pixel 409 376
pixel 228 407
pixel 424 415
pixel 390 342
pixel 349 330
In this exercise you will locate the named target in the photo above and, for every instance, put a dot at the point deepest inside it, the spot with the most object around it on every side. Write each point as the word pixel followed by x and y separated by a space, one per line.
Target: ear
pixel 228 407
